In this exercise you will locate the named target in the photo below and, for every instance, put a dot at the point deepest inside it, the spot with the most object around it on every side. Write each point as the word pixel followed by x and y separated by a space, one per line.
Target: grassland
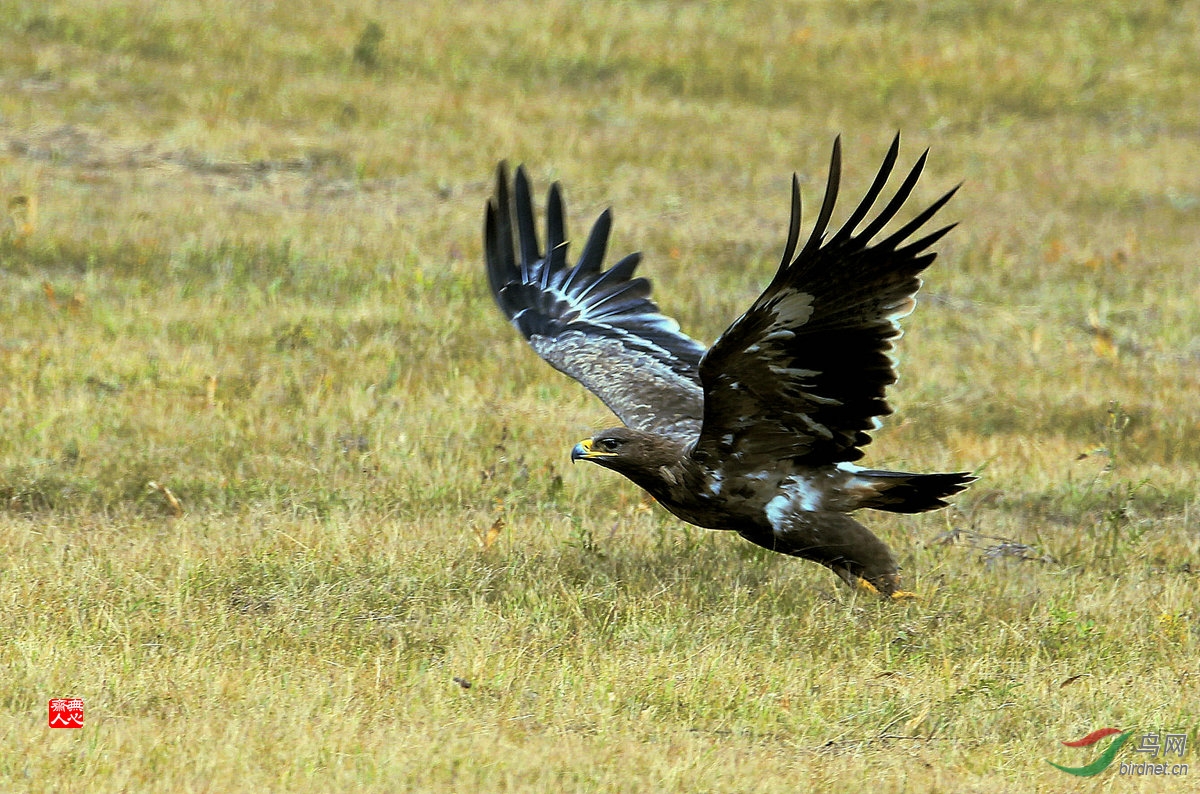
pixel 274 473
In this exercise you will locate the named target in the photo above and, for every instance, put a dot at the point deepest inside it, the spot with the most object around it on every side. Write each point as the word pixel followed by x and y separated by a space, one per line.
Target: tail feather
pixel 901 492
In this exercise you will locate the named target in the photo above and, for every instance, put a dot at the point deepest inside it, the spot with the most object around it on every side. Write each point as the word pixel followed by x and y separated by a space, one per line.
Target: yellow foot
pixel 896 595
pixel 867 587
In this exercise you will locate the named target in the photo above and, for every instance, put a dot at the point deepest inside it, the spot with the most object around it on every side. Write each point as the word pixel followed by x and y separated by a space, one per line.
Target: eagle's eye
pixel 608 444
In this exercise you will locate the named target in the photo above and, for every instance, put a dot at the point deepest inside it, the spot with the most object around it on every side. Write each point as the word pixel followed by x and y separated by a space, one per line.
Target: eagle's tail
pixel 900 492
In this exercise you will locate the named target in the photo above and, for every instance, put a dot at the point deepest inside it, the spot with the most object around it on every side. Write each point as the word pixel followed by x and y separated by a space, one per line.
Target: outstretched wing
pixel 802 374
pixel 598 326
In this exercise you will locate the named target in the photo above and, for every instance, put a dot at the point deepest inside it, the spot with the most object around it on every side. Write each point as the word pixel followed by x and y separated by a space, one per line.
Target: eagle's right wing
pixel 598 326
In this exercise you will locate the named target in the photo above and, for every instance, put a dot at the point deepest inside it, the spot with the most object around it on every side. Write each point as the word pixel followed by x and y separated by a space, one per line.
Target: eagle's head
pixel 642 457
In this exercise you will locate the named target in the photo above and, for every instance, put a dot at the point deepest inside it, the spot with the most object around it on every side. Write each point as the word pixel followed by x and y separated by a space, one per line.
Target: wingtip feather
pixel 527 240
pixel 591 259
pixel 831 192
pixel 789 250
pixel 556 234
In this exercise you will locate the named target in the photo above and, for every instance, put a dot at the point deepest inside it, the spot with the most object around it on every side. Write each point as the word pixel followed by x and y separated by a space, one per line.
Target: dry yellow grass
pixel 241 261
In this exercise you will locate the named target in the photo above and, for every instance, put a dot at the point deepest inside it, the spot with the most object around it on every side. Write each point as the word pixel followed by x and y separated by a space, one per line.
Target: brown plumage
pixel 756 434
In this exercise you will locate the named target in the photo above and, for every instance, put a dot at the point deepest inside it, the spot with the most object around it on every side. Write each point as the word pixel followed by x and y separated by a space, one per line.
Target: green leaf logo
pixel 1105 758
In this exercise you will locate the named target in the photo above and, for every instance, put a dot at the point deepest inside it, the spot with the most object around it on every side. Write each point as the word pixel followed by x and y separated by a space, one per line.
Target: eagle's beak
pixel 585 451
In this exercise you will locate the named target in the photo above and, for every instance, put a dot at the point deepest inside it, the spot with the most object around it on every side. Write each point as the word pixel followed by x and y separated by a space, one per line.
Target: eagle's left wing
pixel 599 327
pixel 801 375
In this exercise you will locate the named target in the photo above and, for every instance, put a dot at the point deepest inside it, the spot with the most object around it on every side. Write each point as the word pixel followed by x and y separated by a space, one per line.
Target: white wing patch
pixel 793 372
pixel 792 310
pixel 797 494
pixel 777 510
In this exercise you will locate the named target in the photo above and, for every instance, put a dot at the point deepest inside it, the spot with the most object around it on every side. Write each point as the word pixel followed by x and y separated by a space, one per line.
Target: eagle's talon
pixel 867 587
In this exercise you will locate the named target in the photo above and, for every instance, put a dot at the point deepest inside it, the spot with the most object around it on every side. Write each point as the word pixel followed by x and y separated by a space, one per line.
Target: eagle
pixel 757 434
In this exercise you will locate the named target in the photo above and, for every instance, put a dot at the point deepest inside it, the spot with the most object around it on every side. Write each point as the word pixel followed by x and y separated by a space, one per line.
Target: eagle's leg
pixel 838 542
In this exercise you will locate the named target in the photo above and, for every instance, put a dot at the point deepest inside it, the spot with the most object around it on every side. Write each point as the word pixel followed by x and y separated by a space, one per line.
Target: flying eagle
pixel 757 434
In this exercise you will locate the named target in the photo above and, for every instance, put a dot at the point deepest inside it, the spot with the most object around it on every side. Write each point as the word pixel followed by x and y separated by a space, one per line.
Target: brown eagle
pixel 757 434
